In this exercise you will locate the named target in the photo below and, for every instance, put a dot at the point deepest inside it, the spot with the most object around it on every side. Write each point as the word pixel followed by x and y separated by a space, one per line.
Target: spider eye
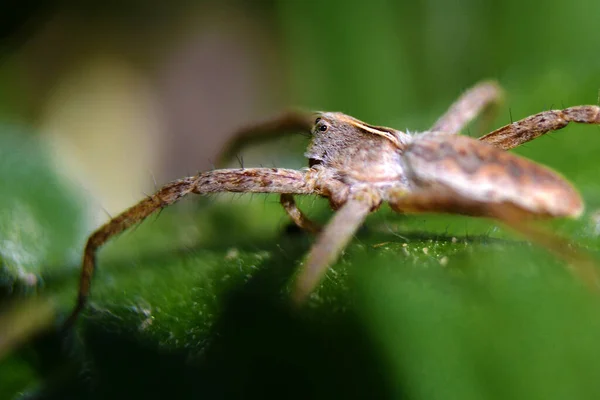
pixel 320 125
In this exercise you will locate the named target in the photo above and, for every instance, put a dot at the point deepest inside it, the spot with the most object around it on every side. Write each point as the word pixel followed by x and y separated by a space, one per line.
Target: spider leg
pixel 299 218
pixel 518 219
pixel 483 97
pixel 331 242
pixel 529 128
pixel 288 121
pixel 250 180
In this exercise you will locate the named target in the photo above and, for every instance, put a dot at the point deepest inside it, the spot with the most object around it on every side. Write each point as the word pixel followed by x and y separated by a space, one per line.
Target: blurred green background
pixel 100 100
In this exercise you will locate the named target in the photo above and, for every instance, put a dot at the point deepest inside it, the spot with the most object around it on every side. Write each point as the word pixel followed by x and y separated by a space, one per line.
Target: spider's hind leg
pixel 583 266
pixel 522 131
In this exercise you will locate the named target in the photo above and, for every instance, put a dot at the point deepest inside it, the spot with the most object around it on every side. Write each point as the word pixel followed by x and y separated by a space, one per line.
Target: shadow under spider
pixel 265 347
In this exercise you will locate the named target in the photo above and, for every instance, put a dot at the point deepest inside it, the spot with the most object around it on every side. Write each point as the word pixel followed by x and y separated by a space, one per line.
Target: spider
pixel 358 167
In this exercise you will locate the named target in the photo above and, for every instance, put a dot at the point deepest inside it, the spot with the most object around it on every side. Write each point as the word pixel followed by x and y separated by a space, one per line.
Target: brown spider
pixel 359 166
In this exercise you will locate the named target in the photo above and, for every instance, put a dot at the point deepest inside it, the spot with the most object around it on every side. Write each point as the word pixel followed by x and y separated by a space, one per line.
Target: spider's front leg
pixel 297 216
pixel 332 241
pixel 250 180
pixel 288 121
pixel 529 128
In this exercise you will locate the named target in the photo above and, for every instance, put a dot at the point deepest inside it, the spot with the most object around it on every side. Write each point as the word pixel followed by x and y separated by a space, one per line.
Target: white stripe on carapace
pixel 377 130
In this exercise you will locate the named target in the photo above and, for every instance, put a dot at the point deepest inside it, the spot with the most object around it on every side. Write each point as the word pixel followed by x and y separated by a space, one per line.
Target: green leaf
pixel 41 215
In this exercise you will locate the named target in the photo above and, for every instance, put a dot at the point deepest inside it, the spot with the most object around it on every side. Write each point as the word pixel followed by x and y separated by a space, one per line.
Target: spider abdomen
pixel 479 171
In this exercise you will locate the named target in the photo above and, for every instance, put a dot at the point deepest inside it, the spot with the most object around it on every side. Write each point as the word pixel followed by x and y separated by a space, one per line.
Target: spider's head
pixel 330 125
pixel 344 142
